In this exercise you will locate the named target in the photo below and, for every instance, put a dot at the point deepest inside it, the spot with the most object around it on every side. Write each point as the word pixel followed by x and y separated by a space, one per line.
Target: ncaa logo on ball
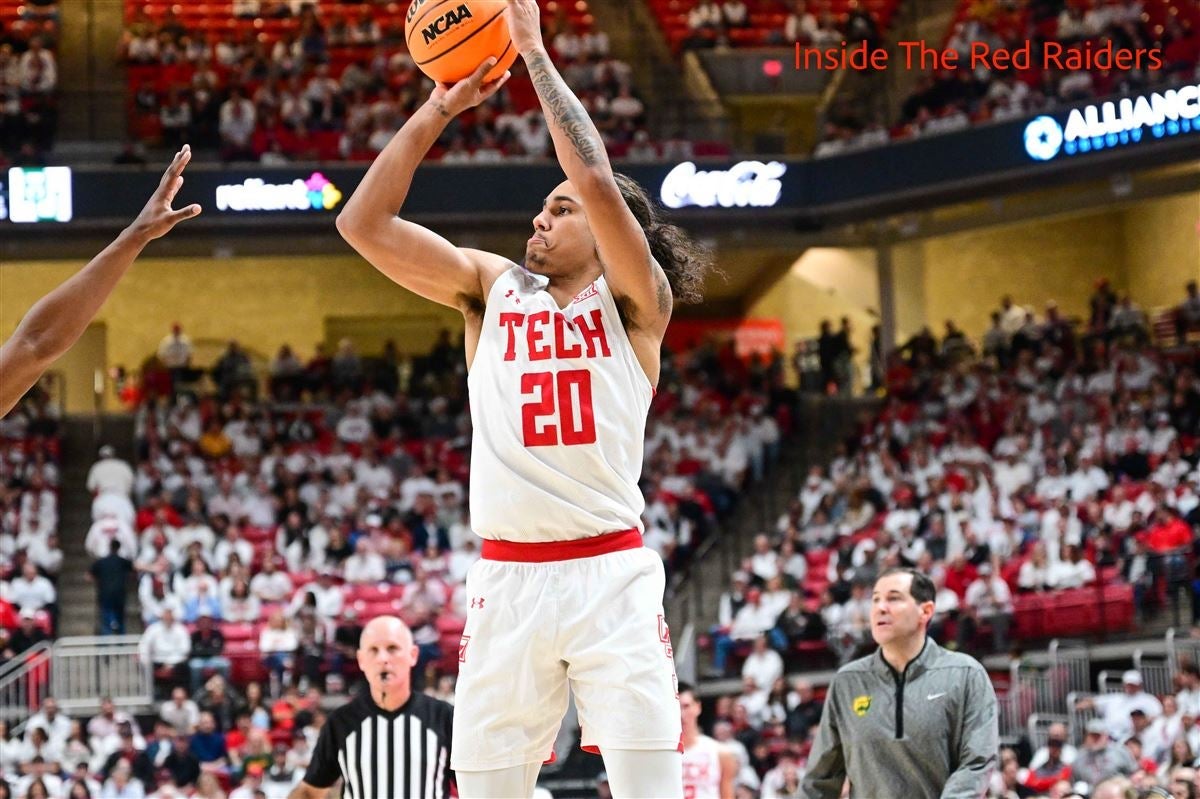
pixel 445 22
pixel 862 704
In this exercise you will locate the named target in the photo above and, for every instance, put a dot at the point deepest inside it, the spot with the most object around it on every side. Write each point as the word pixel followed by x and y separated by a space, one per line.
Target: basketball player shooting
pixel 563 358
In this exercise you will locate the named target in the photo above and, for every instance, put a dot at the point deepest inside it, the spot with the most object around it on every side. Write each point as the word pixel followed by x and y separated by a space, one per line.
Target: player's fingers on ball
pixel 483 69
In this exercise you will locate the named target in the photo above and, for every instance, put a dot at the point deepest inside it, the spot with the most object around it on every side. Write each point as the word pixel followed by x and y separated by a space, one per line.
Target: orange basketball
pixel 449 39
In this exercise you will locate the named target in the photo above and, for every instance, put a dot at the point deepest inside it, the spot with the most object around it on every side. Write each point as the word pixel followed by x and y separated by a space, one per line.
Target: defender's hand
pixel 157 218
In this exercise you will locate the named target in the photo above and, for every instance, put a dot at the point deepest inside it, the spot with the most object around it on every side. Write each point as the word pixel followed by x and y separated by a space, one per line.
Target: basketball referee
pixel 386 743
pixel 911 720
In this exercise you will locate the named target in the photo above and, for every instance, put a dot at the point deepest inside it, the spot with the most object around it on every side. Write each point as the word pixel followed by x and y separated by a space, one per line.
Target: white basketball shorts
pixel 541 616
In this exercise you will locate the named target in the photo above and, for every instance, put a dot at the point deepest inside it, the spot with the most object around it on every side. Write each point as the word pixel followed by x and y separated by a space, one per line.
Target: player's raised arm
pixel 411 255
pixel 629 268
pixel 57 320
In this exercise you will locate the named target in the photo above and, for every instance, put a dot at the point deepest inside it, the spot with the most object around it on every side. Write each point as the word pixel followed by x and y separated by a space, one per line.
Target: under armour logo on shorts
pixel 477 602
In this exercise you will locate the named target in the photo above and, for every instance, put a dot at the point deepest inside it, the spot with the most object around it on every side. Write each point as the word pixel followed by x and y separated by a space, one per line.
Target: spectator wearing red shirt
pixel 959 575
pixel 1170 534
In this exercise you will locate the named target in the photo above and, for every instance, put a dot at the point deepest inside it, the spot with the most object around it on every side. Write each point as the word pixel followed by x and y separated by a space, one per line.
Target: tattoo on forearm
pixel 441 109
pixel 566 109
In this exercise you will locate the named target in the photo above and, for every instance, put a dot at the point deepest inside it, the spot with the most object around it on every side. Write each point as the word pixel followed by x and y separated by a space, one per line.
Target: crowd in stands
pixel 720 24
pixel 954 99
pixel 311 81
pixel 30 556
pixel 28 82
pixel 1046 457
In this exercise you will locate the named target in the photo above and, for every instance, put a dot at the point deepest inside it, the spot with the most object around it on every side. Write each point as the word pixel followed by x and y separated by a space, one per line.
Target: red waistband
pixel 546 551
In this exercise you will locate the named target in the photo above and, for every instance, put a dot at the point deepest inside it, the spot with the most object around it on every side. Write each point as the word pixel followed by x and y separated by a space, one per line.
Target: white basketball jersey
pixel 558 404
pixel 702 769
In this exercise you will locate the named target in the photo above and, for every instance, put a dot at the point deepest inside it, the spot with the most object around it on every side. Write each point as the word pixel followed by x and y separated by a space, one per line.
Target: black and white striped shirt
pixel 380 754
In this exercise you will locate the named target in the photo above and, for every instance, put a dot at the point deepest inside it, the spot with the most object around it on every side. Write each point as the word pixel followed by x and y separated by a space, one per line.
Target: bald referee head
pixel 386 655
pixel 387 741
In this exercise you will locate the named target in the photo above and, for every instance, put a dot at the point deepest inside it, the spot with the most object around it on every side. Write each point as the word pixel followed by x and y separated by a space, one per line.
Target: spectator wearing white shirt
pixel 38 510
pixel 278 643
pixel 1188 697
pixel 764 563
pixel 190 586
pixel 104 723
pixel 1087 480
pixel 800 25
pixel 37 69
pixel 1056 732
pixel 180 712
pixel 1132 436
pixel 461 559
pixel 31 591
pixel 154 593
pixel 376 477
pixel 1053 485
pixel 1036 574
pixel 236 126
pixel 1011 474
pixel 166 643
pixel 945 600
pixel 1163 435
pixel 735 14
pixel 329 598
pixel 110 474
pixel 792 563
pixel 763 664
pixel 1172 469
pixel 752 619
pixel 814 490
pixel 1115 708
pixel 52 720
pixel 1118 512
pixel 240 605
pixel 232 544
pixel 112 504
pixel 1073 571
pixel 365 565
pixel 704 16
pixel 259 506
pixel 271 584
pixel 989 601
pixel 354 427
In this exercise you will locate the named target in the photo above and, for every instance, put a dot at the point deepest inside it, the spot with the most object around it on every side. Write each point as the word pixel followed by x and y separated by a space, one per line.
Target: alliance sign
pixel 1129 120
pixel 752 183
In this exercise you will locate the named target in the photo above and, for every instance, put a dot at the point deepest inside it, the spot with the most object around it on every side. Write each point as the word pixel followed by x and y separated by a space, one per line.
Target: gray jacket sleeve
pixel 979 740
pixel 826 771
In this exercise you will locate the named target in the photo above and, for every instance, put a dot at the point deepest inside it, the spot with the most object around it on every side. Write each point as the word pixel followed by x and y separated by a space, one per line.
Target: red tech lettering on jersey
pixel 538 325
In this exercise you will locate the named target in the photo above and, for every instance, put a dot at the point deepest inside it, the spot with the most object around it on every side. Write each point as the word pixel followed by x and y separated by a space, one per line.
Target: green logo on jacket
pixel 862 704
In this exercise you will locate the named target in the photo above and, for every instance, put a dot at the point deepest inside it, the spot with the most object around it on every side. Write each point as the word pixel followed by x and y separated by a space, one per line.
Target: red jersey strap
pixel 547 551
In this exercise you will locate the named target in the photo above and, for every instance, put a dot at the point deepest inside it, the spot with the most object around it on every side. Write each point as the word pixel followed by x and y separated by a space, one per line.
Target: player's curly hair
pixel 684 261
